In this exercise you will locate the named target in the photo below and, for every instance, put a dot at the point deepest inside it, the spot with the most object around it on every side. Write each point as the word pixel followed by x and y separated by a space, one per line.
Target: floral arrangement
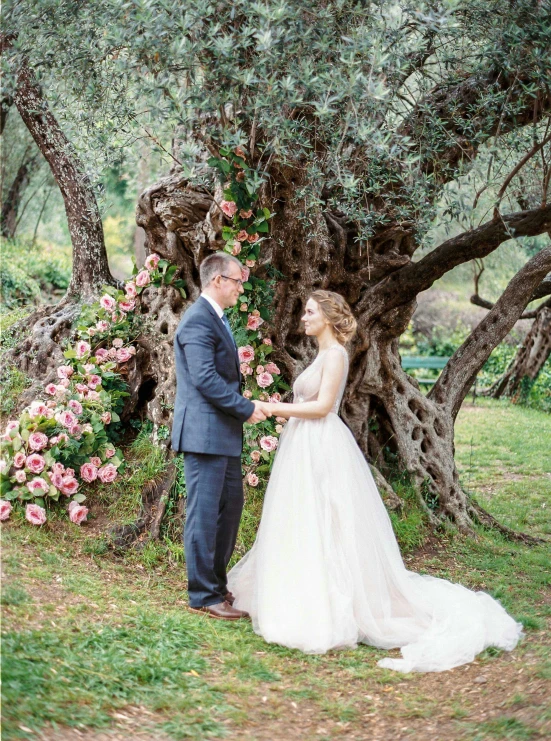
pixel 66 436
pixel 248 228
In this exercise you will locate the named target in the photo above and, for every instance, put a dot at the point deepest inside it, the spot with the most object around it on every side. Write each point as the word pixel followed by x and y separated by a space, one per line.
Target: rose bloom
pixel 102 326
pixel 12 425
pixel 246 353
pixel 82 349
pixel 87 428
pixel 19 459
pixel 252 479
pixel 20 476
pixel 65 371
pixel 53 440
pixel 151 261
pixel 245 273
pixel 67 419
pixel 37 440
pixel 272 368
pixel 245 369
pixel 56 479
pixel 244 307
pixel 275 398
pixel 76 431
pixel 130 289
pixel 75 406
pixel 264 380
pixel 143 278
pixel 131 349
pixel 281 420
pixel 123 355
pixel 255 455
pixel 127 305
pixel 260 369
pixel 3 466
pixel 77 513
pixel 101 354
pixel 95 461
pixel 254 322
pixel 107 302
pixel 236 249
pixel 50 389
pixel 117 342
pixel 89 367
pixel 106 418
pixel 51 404
pixel 81 388
pixel 35 515
pixel 107 473
pixel 242 236
pixel 229 208
pixel 88 472
pixel 245 214
pixel 91 331
pixel 93 396
pixel 250 263
pixel 37 484
pixel 35 463
pixel 69 486
pixel 65 383
pixel 39 409
pixel 110 452
pixel 93 381
pixel 267 341
pixel 253 238
pixel 268 443
pixel 62 437
pixel 5 509
pixel 247 394
pixel 60 390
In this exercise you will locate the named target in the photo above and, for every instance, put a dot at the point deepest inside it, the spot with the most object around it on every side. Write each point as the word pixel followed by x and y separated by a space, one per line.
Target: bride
pixel 325 571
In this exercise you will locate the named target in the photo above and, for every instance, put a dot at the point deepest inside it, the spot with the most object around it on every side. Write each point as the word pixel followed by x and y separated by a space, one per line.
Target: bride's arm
pixel 333 368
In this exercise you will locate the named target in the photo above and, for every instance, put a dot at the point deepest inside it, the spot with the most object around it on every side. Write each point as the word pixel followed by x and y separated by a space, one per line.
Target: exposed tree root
pixel 487 520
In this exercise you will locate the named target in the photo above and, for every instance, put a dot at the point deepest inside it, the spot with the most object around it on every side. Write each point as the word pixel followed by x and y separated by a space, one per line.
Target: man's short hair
pixel 216 264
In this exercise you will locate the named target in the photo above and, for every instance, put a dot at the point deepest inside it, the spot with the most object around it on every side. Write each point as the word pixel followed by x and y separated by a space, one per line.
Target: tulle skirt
pixel 326 572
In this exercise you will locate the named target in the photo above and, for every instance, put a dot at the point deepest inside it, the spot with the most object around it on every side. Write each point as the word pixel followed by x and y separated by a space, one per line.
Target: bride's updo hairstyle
pixel 338 313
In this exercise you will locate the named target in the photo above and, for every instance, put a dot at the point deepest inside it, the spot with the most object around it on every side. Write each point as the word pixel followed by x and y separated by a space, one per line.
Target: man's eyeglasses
pixel 235 280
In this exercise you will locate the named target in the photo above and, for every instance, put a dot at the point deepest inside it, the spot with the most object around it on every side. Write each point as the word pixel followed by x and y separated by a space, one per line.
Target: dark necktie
pixel 226 324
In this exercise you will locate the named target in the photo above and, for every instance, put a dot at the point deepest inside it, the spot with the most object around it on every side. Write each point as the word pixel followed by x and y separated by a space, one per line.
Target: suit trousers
pixel 214 504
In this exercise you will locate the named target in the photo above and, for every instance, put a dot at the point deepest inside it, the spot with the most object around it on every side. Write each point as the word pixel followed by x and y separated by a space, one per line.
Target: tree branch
pixel 458 375
pixel 479 301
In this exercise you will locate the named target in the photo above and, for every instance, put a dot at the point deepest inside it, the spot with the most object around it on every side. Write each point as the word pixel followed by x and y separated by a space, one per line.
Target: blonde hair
pixel 338 313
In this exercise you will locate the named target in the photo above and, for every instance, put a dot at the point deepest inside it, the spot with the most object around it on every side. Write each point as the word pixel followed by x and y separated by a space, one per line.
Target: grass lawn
pixel 102 648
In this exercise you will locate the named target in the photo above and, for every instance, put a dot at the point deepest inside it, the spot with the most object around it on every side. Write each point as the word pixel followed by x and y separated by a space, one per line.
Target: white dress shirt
pixel 217 308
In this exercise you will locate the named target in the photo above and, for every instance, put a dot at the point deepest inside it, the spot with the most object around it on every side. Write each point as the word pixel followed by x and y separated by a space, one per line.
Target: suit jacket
pixel 209 410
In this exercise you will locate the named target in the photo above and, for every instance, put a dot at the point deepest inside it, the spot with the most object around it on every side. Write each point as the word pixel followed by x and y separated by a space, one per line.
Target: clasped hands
pixel 261 412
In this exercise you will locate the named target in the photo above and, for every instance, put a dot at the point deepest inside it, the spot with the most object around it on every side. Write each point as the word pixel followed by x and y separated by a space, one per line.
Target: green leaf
pixel 40 501
pixel 79 498
pixel 247 286
pixel 263 227
pixel 115 417
pixel 183 294
pixel 16 444
pixel 170 273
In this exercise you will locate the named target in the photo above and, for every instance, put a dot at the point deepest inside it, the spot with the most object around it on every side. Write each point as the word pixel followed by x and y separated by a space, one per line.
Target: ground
pixel 101 648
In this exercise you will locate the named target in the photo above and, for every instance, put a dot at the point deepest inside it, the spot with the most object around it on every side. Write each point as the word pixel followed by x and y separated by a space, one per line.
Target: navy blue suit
pixel 209 413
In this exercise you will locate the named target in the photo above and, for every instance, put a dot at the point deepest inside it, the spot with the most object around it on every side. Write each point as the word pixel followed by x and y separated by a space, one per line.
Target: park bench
pixel 419 361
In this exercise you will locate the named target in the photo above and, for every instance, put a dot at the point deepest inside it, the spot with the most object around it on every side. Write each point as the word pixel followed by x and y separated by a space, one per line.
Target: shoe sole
pixel 216 617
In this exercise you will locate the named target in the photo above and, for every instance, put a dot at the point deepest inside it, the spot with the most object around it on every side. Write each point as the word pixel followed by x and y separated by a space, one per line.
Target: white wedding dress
pixel 325 571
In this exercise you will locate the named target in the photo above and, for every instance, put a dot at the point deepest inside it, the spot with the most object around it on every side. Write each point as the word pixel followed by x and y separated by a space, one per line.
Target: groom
pixel 209 413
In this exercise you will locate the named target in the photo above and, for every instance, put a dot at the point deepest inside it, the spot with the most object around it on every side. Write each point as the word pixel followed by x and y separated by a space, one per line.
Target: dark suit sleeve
pixel 199 344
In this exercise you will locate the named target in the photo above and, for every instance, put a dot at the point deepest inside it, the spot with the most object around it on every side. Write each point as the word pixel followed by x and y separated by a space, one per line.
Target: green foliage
pixel 30 273
pixel 13 382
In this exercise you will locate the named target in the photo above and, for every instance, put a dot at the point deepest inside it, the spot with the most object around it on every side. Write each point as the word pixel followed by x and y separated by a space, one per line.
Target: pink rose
pixel 12 425
pixel 247 394
pixel 39 409
pixel 37 440
pixel 110 452
pixel 236 249
pixel 93 396
pixel 246 369
pixel 107 473
pixel 130 289
pixel 275 398
pixel 94 381
pixel 244 307
pixel 143 278
pixel 102 326
pixel 123 355
pixel 58 467
pixel 107 302
pixel 245 214
pixel 91 331
pixel 117 342
pixel 254 322
pixel 242 236
pixel 260 369
pixel 267 341
pixel 77 513
pixel 65 371
pixel 81 388
pixel 19 459
pixel 61 390
pixel 229 208
pixel 87 428
pixel 252 238
pixel 106 418
pixel 50 389
pixel 82 349
pixel 255 455
pixel 65 383
pixel 151 261
pixel 95 461
pixel 76 431
pixel 268 443
pixel 88 472
pixel 56 479
pixel 20 476
pixel 37 485
pixel 246 353
pixel 5 509
pixel 250 263
pixel 101 354
pixel 69 486
pixel 131 349
pixel 245 273
pixel 62 438
pixel 264 380
pixel 127 305
pixel 67 419
pixel 35 463
pixel 281 420
pixel 279 429
pixel 75 406
pixel 272 368
pixel 3 466
pixel 35 515
pixel 252 479
pixel 89 367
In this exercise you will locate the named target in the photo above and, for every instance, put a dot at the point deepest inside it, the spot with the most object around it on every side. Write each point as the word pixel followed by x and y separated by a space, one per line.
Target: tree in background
pixel 356 117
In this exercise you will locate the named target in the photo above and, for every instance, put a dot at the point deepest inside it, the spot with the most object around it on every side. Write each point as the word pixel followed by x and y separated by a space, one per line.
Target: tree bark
pixel 10 207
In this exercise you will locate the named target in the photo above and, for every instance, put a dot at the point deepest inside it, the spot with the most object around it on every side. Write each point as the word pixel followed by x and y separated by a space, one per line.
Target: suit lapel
pixel 221 330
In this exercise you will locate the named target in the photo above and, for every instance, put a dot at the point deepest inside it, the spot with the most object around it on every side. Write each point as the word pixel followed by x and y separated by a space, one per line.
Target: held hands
pixel 261 412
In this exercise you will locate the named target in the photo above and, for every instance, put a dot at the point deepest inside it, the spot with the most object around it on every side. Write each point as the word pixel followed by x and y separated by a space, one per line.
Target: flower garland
pixel 250 318
pixel 67 436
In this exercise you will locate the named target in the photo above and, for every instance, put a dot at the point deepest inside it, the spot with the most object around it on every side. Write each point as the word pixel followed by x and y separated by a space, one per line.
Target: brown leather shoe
pixel 221 611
